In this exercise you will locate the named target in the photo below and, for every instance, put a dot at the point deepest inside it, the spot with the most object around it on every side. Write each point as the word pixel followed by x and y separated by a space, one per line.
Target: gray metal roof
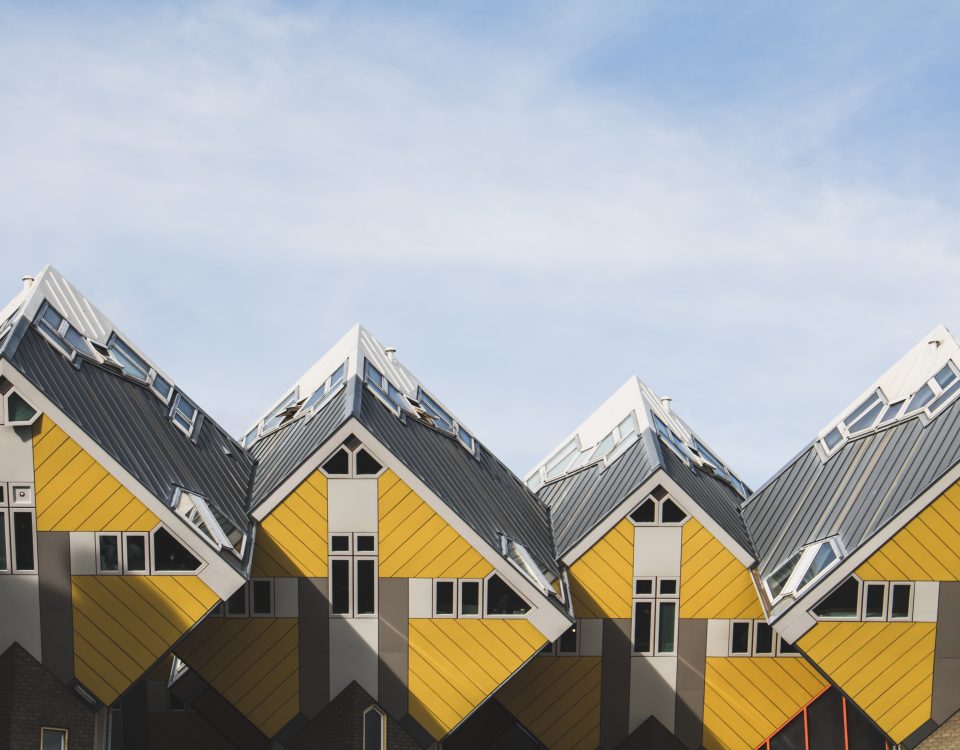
pixel 131 424
pixel 581 500
pixel 859 489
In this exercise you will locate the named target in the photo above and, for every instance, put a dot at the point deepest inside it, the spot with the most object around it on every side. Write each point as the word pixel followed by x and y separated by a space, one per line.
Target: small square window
pixel 366 543
pixel 668 587
pixel 740 638
pixel 340 543
pixel 53 739
pixel 643 587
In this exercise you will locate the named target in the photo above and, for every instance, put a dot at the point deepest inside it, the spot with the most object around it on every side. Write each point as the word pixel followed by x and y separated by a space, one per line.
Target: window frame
pixel 245 591
pixel 355 589
pixel 653 626
pixel 63 733
pixel 6 410
pixel 348 558
pixel 885 587
pixel 658 512
pixel 480 609
pixel 154 568
pixel 125 566
pixel 807 554
pixel 5 541
pixel 383 727
pixel 861 600
pixel 175 411
pixel 732 627
pixel 455 609
pixel 14 511
pixel 912 589
pixel 773 640
pixel 251 598
pixel 661 603
pixel 576 641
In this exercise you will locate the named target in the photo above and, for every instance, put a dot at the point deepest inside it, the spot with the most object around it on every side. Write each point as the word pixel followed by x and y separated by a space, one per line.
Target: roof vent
pixel 28 282
pixel 665 401
pixel 391 352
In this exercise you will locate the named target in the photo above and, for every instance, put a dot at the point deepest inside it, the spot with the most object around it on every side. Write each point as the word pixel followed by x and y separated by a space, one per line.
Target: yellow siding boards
pixel 747 700
pixel 926 549
pixel 415 542
pixel 601 580
pixel 292 540
pixel 713 583
pixel 558 699
pixel 75 493
pixel 885 667
pixel 123 624
pixel 252 662
pixel 455 664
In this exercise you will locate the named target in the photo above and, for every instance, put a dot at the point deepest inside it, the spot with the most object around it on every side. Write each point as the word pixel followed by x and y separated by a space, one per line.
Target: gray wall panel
pixel 56 610
pixel 691 666
pixel 615 683
pixel 314 646
pixel 946 659
pixel 394 614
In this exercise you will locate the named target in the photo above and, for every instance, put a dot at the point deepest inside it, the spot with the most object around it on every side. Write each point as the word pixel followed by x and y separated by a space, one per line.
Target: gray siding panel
pixel 56 603
pixel 393 645
pixel 615 683
pixel 314 634
pixel 691 686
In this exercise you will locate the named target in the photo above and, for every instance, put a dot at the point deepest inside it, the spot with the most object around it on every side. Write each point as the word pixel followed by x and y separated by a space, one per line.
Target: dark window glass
pixel 568 641
pixel 667 628
pixel 53 739
pixel 668 587
pixel 444 597
pixel 670 512
pixel 470 598
pixel 825 722
pixel 642 630
pixel 23 540
pixel 503 600
pixel 338 464
pixel 876 600
pixel 372 730
pixel 20 410
pixel 136 554
pixel 844 601
pixel 788 648
pixel 340 543
pixel 367 464
pixel 900 600
pixel 366 587
pixel 109 553
pixel 3 542
pixel 645 513
pixel 861 732
pixel 262 597
pixel 237 603
pixel 643 587
pixel 365 543
pixel 791 737
pixel 764 638
pixel 740 639
pixel 340 587
pixel 171 556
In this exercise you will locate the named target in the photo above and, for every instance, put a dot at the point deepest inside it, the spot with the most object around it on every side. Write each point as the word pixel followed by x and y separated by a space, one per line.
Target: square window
pixel 366 543
pixel 53 739
pixel 643 587
pixel 668 587
pixel 340 543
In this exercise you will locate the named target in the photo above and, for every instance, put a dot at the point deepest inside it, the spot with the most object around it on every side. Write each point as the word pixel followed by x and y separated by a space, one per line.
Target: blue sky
pixel 753 207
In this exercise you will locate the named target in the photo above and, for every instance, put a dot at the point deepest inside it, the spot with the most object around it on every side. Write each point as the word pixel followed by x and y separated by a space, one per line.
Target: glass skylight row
pixel 805 567
pixel 215 527
pixel 424 407
pixel 572 456
pixel 686 452
pixel 290 408
pixel 874 411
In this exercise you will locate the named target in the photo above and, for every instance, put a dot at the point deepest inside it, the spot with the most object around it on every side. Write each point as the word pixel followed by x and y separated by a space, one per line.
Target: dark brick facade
pixel 31 698
pixel 340 725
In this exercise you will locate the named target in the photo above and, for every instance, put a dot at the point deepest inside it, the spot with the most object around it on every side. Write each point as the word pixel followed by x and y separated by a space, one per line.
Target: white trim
pixel 433 598
pixel 13 511
pixel 885 585
pixel 773 639
pixel 909 616
pixel 348 559
pixel 749 651
pixel 675 603
pixel 460 584
pixel 633 625
pixel 125 566
pixel 216 573
pixel 357 559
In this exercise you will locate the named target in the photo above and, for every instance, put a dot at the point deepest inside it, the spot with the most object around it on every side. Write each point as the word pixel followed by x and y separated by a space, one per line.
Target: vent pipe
pixel 28 282
pixel 665 401
pixel 391 352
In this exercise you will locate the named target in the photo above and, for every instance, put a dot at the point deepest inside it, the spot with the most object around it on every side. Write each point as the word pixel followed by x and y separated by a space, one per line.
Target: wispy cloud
pixel 519 201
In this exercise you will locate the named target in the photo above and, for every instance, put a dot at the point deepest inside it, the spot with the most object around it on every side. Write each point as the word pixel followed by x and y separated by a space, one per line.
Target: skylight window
pixel 60 333
pixel 280 413
pixel 384 388
pixel 440 418
pixel 117 353
pixel 720 469
pixel 671 439
pixel 806 567
pixel 522 559
pixel 210 522
pixel 559 462
pixel 184 414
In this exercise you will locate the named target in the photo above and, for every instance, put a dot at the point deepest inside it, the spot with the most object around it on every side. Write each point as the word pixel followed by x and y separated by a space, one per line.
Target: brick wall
pixel 31 697
pixel 947 737
pixel 340 725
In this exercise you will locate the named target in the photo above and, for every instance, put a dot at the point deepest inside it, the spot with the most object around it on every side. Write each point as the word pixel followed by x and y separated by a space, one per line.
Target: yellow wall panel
pixel 558 699
pixel 292 540
pixel 885 667
pixel 415 542
pixel 713 583
pixel 75 493
pixel 748 699
pixel 252 662
pixel 123 624
pixel 601 580
pixel 926 549
pixel 455 664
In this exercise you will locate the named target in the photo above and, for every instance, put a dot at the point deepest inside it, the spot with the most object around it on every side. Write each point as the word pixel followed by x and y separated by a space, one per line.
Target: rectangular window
pixel 740 638
pixel 4 555
pixel 469 598
pixel 340 586
pixel 24 542
pixel 787 649
pixel 366 578
pixel 374 730
pixel 53 739
pixel 237 603
pixel 875 601
pixel 261 597
pixel 184 414
pixel 666 627
pixel 763 640
pixel 444 604
pixel 668 586
pixel 568 643
pixel 900 596
pixel 135 553
pixel 643 627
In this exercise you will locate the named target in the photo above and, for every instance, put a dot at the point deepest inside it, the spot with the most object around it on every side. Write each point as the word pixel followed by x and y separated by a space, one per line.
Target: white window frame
pixel 383 727
pixel 773 639
pixel 786 655
pixel 339 553
pixel 18 422
pixel 334 452
pixel 64 734
pixel 250 597
pixel 217 537
pixel 750 629
pixel 653 587
pixel 658 513
pixel 353 463
pixel 480 587
pixel 652 601
pixel 809 552
pixel 861 603
pixel 155 571
pixel 661 522
pixel 14 568
pixel 675 603
pixel 909 617
pixel 355 589
pixel 175 411
pixel 5 541
pixel 350 589
pixel 456 600
pixel 885 586
pixel 125 566
pixel 660 594
pixel 375 552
